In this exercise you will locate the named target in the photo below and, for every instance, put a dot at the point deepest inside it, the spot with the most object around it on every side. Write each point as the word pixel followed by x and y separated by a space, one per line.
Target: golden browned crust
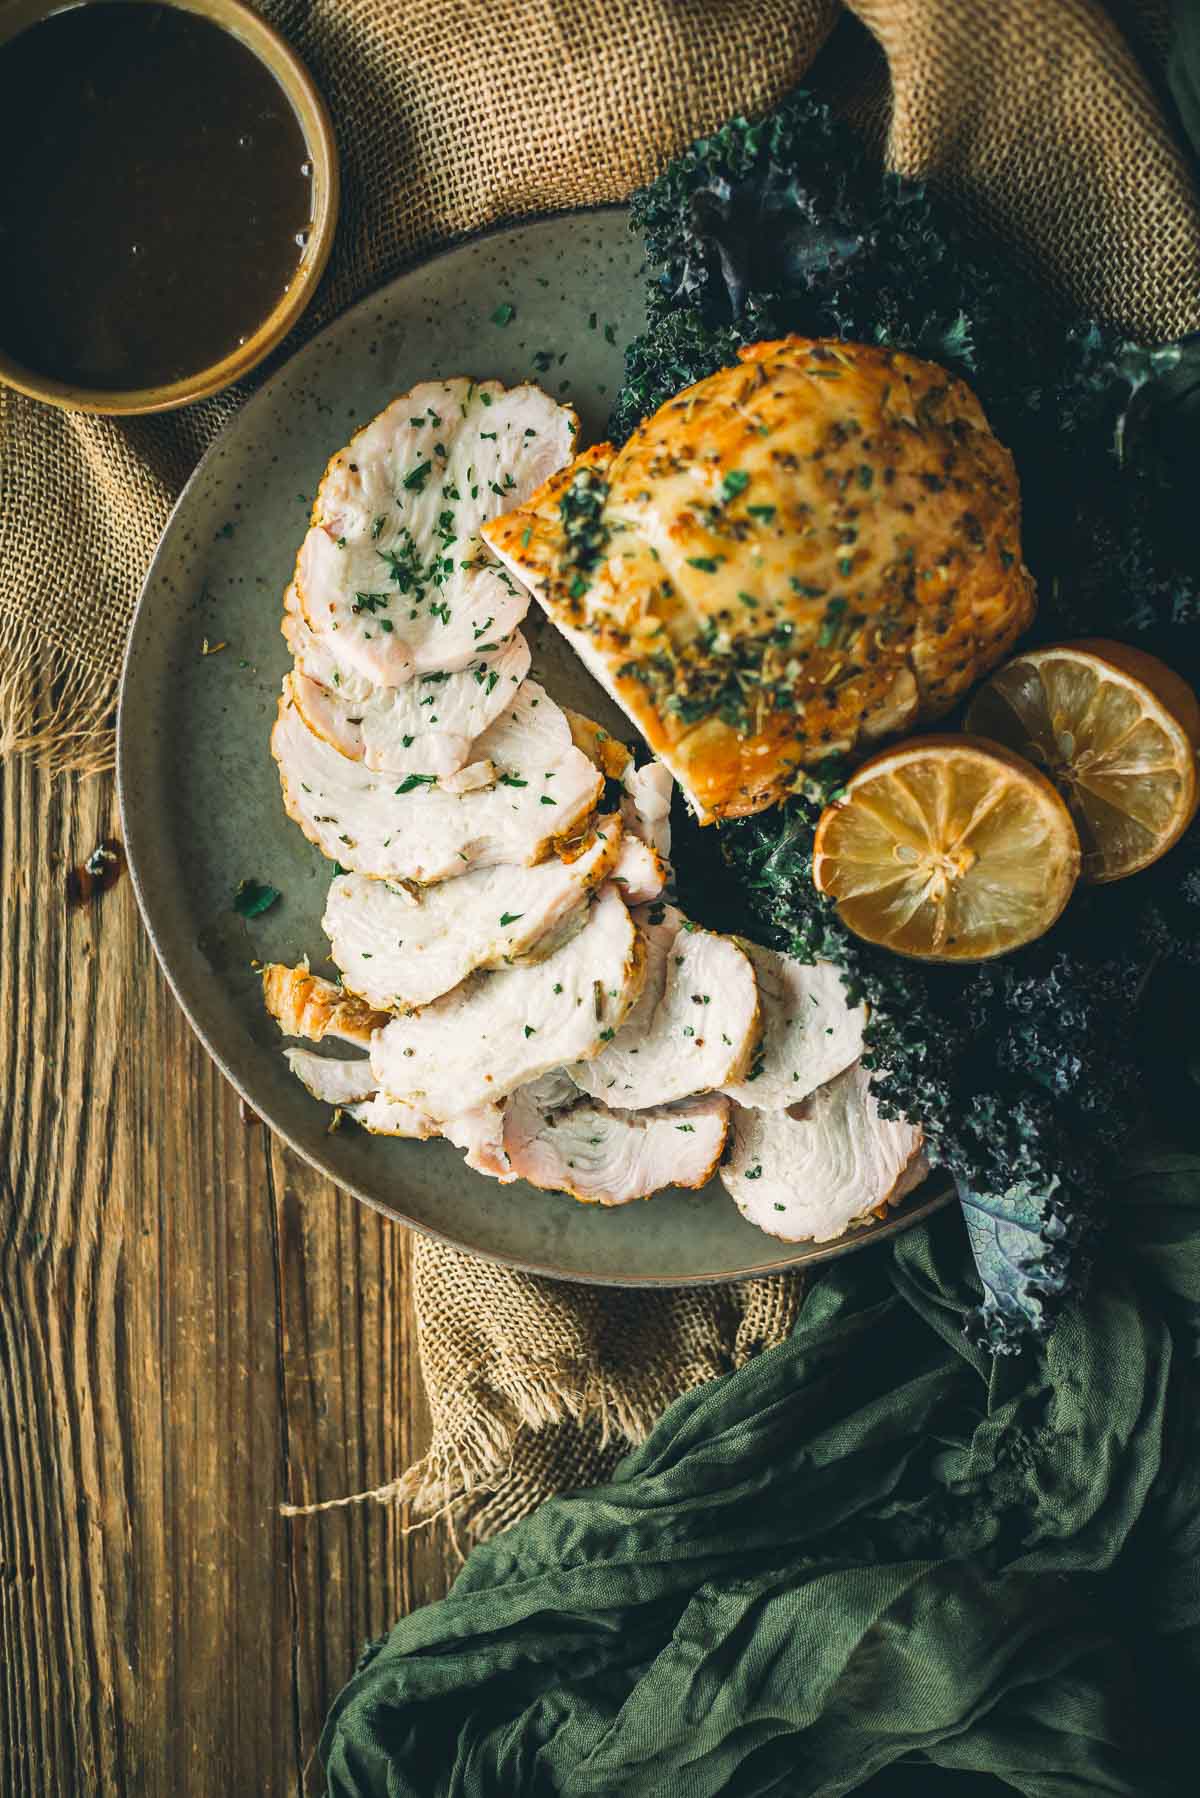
pixel 601 748
pixel 800 554
pixel 303 1004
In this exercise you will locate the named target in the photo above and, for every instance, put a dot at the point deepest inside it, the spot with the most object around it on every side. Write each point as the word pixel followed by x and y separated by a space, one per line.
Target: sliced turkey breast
pixel 641 873
pixel 303 1004
pixel 613 758
pixel 611 1157
pixel 392 572
pixel 352 1087
pixel 429 725
pixel 416 830
pixel 811 1171
pixel 646 805
pixel 334 1082
pixel 810 1032
pixel 401 948
pixel 481 1133
pixel 316 659
pixel 495 1032
pixel 695 1028
pixel 391 1117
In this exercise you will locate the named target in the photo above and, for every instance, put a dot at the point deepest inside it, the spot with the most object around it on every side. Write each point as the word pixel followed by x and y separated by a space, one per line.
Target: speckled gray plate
pixel 199 793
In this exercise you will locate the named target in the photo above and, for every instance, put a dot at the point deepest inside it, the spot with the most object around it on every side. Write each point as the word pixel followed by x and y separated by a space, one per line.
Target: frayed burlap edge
pixel 53 707
pixel 511 1431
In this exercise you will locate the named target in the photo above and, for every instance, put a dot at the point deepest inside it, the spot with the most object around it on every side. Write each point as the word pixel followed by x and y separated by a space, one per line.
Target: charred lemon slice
pixel 1117 732
pixel 947 849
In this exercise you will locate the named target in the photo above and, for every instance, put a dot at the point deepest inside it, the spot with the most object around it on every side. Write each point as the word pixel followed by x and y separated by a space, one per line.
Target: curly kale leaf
pixel 1026 1247
pixel 787 224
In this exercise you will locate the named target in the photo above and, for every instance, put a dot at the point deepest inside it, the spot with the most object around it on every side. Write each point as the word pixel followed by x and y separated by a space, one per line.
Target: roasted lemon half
pixel 1116 731
pixel 947 848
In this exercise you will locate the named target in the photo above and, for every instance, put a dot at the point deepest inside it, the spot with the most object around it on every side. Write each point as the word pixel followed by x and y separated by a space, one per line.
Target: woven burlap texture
pixel 1045 119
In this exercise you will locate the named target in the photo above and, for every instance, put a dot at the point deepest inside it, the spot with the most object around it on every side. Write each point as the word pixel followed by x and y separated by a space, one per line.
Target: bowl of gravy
pixel 168 198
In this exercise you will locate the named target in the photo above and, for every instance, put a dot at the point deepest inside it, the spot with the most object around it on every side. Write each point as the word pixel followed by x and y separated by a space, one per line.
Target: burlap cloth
pixel 1050 120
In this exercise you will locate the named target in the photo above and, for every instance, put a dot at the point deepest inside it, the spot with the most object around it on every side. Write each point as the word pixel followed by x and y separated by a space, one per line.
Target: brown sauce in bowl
pixel 155 195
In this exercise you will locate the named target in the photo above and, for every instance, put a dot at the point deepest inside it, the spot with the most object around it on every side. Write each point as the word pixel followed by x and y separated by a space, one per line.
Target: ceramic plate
pixel 199 794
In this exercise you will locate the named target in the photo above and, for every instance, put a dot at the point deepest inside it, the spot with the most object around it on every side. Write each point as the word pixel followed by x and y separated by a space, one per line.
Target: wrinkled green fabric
pixel 870 1558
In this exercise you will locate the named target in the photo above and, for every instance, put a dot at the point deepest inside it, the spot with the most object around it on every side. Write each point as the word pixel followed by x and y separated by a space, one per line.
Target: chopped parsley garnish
pixel 512 780
pixel 253 898
pixel 412 781
pixel 706 564
pixel 509 917
pixel 735 481
pixel 504 314
pixel 415 479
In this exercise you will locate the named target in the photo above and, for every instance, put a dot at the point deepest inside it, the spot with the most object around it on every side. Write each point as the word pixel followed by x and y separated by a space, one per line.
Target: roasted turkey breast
pixel 799 554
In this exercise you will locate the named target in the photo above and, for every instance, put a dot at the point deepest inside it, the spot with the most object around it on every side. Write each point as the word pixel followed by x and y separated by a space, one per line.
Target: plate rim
pixel 807 1253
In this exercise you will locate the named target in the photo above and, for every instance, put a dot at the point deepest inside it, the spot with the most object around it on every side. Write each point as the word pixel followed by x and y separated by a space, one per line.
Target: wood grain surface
pixel 194 1327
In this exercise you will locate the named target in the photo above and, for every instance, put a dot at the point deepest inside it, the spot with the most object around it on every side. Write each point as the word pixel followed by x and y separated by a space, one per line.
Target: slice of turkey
pixel 400 948
pixel 391 1117
pixel 641 873
pixel 611 1157
pixel 481 1133
pixel 497 1031
pixel 303 1004
pixel 413 829
pixel 392 574
pixel 335 1081
pixel 429 725
pixel 695 1028
pixel 646 805
pixel 810 1172
pixel 351 1085
pixel 315 658
pixel 811 1032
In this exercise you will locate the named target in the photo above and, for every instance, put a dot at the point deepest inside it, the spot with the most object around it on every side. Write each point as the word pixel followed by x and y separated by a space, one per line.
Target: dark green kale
pixel 1030 1074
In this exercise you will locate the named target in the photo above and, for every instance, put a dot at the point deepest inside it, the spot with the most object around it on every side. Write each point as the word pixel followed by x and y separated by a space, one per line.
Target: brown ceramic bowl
pixel 17 16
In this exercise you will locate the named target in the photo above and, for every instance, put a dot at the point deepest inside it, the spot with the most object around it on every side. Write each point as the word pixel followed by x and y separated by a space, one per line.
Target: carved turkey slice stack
pixel 392 577
pixel 525 785
pixel 510 976
pixel 401 947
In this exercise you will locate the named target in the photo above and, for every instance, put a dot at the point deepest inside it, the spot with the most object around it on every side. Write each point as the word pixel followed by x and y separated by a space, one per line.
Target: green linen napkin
pixel 867 1546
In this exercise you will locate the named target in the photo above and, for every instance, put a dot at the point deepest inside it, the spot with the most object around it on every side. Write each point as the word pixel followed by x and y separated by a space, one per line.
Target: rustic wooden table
pixel 194 1327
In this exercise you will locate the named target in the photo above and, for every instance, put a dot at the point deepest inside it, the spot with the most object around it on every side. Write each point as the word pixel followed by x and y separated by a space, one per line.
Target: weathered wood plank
pixel 193 1327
